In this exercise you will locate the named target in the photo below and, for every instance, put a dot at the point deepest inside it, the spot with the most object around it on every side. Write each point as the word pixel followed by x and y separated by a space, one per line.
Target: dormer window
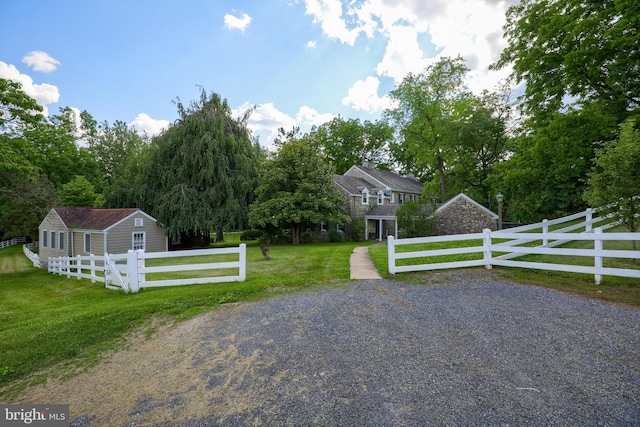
pixel 380 197
pixel 365 197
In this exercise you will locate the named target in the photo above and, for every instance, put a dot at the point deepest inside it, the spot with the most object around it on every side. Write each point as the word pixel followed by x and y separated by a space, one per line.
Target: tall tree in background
pixel 614 183
pixel 296 189
pixel 426 104
pixel 348 142
pixel 119 150
pixel 586 50
pixel 201 172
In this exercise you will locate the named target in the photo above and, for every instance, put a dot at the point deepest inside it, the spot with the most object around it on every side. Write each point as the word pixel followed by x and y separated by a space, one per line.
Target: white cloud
pixel 266 120
pixel 311 43
pixel 469 28
pixel 328 13
pixel 43 93
pixel 41 61
pixel 241 23
pixel 143 123
pixel 363 95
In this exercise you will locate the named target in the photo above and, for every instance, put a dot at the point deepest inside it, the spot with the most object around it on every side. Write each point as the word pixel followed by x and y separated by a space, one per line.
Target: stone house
pixel 461 215
pixel 376 195
pixel 75 230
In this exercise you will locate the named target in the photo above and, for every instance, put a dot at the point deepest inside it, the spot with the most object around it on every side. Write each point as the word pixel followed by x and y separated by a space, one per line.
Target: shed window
pixel 87 242
pixel 138 241
pixel 61 241
pixel 139 222
pixel 44 238
pixel 53 240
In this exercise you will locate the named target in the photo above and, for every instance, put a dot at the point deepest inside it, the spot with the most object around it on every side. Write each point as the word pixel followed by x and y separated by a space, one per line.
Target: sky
pixel 294 62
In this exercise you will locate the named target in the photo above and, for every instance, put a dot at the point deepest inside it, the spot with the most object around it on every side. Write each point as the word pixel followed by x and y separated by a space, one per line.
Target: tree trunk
pixel 296 235
pixel 219 235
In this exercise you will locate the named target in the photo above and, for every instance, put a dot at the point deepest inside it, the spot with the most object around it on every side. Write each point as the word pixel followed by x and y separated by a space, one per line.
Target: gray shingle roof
pixel 353 184
pixel 393 180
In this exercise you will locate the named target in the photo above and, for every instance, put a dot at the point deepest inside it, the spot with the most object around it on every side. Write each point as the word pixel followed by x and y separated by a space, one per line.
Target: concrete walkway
pixel 361 264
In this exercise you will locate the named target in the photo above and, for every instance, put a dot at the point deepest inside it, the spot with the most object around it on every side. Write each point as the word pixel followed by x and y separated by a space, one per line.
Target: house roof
pixel 378 211
pixel 352 184
pixel 80 217
pixel 377 180
pixel 392 180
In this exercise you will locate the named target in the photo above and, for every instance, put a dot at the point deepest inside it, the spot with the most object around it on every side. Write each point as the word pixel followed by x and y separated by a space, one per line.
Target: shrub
pixel 335 236
pixel 251 235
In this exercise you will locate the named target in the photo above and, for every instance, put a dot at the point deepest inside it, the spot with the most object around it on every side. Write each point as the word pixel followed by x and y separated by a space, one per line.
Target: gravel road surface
pixel 464 349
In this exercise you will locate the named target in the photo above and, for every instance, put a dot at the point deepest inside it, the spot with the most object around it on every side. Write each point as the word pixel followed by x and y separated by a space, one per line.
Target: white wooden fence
pixel 508 247
pixel 11 242
pixel 129 271
pixel 34 257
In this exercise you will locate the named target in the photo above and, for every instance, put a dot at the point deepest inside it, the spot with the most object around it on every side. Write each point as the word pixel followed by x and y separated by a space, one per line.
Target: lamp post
pixel 500 199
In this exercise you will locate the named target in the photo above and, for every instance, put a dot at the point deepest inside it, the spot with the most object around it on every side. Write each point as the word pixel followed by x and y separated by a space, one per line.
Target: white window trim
pixel 61 240
pixel 139 222
pixel 45 239
pixel 365 197
pixel 144 240
pixel 380 197
pixel 53 240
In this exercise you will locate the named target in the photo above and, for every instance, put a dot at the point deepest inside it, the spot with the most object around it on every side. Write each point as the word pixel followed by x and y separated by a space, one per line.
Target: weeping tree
pixel 201 171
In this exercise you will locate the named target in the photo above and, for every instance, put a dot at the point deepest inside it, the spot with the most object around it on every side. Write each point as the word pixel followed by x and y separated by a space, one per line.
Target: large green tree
pixel 423 118
pixel 614 183
pixel 200 175
pixel 348 142
pixel 296 189
pixel 582 50
pixel 546 175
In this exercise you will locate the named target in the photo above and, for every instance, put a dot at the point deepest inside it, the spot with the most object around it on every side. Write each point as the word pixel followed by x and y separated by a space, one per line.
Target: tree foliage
pixel 614 182
pixel 296 189
pixel 348 142
pixel 201 172
pixel 78 192
pixel 416 219
pixel 587 50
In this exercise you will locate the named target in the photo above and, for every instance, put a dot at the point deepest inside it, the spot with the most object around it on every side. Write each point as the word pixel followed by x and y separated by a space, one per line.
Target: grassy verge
pixel 51 325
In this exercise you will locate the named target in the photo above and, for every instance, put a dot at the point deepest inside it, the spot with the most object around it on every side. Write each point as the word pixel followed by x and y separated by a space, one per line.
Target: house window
pixel 139 222
pixel 401 198
pixel 380 197
pixel 138 241
pixel 392 198
pixel 53 240
pixel 44 239
pixel 87 242
pixel 61 241
pixel 323 226
pixel 365 197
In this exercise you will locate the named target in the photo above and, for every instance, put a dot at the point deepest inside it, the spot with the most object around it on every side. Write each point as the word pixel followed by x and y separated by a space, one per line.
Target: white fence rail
pixel 129 271
pixel 34 257
pixel 487 248
pixel 12 242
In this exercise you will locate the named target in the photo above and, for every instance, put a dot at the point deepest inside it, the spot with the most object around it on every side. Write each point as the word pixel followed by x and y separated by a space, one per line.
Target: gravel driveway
pixel 465 349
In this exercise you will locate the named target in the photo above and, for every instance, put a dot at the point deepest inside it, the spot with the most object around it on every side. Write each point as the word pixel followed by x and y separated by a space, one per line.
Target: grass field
pixel 50 321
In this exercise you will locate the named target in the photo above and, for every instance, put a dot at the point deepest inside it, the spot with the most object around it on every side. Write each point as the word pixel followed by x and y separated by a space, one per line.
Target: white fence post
pixel 486 242
pixel 132 270
pixel 391 254
pixel 92 266
pixel 545 230
pixel 243 262
pixel 597 258
pixel 79 266
pixel 589 220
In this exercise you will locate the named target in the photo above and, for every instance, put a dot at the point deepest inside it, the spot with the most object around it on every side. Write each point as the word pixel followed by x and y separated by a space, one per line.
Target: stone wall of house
pixel 356 208
pixel 462 217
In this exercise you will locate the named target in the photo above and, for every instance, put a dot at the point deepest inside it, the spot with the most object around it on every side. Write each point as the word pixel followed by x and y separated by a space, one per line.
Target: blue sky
pixel 297 62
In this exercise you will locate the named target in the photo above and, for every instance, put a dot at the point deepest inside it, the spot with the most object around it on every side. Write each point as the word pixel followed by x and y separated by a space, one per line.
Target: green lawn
pixel 50 321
